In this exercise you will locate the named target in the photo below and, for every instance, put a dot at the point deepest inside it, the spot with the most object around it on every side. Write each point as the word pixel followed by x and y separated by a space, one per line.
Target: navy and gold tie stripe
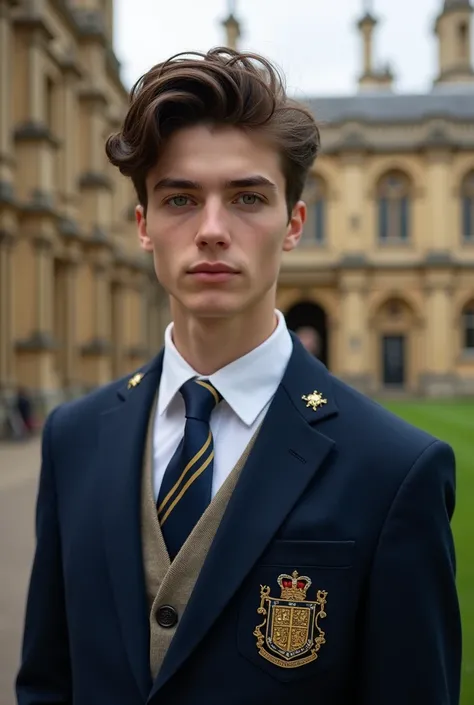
pixel 187 484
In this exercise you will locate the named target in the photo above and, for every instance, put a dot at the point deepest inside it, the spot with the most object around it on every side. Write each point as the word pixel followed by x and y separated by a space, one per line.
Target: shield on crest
pixel 292 636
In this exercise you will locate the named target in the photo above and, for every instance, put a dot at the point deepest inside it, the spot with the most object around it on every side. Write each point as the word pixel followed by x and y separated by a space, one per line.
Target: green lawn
pixel 453 421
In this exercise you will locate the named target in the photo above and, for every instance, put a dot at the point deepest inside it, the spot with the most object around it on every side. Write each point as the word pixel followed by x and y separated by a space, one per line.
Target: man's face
pixel 217 220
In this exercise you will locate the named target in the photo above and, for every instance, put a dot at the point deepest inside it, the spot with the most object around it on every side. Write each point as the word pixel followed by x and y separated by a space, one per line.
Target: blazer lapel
pixel 122 440
pixel 287 454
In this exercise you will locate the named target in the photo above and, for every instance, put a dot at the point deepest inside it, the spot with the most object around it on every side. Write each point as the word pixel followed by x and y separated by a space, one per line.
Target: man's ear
pixel 295 226
pixel 145 242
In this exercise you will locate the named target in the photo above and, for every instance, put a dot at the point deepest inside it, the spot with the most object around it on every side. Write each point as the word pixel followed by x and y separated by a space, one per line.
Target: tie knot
pixel 200 398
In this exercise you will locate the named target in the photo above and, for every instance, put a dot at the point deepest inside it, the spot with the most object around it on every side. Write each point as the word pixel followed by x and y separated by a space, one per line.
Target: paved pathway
pixel 19 466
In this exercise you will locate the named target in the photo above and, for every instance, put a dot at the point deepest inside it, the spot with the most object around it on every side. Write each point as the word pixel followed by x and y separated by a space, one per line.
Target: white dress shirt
pixel 247 386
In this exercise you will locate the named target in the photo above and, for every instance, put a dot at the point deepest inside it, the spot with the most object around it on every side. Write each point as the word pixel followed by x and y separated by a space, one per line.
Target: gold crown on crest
pixel 294 587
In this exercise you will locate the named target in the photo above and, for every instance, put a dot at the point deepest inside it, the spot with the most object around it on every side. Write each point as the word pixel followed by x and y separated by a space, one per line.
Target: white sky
pixel 315 42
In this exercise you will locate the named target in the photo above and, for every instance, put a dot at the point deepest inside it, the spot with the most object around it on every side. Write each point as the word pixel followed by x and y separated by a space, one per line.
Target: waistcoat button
pixel 167 617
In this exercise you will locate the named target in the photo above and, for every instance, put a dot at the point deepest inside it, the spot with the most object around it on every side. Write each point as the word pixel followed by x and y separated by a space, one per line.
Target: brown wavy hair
pixel 222 87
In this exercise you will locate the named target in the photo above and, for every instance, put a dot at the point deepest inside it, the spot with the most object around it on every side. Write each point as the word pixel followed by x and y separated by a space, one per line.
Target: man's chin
pixel 212 306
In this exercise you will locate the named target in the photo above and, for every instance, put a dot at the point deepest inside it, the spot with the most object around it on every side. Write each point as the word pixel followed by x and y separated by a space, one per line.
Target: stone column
pixel 6 318
pixel 6 202
pixel 102 303
pixel 69 155
pixel 438 197
pixel 353 225
pixel 6 70
pixel 36 97
pixel 117 332
pixel 44 286
pixel 354 355
pixel 36 353
pixel 139 323
pixel 158 316
pixel 35 144
pixel 97 367
pixel 70 353
pixel 95 184
pixel 438 379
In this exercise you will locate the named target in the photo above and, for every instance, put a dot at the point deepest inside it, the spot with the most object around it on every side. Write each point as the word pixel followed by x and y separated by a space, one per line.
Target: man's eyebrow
pixel 251 181
pixel 169 183
pixel 186 184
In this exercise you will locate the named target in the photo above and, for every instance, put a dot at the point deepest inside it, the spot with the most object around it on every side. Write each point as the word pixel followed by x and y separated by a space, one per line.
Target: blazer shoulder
pixel 372 421
pixel 87 408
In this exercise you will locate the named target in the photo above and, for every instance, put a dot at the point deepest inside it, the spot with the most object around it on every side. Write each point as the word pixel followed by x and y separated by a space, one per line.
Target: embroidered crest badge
pixel 292 636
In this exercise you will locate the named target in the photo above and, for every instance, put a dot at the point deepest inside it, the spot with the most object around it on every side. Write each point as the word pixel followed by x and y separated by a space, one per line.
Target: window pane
pixel 404 217
pixel 469 330
pixel 467 218
pixel 383 219
pixel 319 208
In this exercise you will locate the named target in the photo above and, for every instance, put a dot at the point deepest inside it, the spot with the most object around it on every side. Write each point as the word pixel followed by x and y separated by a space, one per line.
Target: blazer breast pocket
pixel 298 609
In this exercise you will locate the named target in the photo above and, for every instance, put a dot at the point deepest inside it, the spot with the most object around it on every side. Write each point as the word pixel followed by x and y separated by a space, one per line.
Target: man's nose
pixel 214 226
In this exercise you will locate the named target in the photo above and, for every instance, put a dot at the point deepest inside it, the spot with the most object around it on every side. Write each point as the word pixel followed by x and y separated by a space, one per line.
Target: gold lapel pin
pixel 135 380
pixel 314 400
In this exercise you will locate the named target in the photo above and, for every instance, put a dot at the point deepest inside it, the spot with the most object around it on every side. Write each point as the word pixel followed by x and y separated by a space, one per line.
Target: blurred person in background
pixel 309 338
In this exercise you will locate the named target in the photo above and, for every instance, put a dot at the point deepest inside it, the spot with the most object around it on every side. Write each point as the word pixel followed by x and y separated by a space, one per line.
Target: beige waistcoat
pixel 172 584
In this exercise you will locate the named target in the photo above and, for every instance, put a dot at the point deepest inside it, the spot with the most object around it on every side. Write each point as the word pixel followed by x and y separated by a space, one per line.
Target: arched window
pixel 463 38
pixel 316 198
pixel 468 327
pixel 394 207
pixel 467 206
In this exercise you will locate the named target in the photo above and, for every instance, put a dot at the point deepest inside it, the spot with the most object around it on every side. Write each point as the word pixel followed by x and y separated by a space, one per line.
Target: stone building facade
pixel 385 272
pixel 79 305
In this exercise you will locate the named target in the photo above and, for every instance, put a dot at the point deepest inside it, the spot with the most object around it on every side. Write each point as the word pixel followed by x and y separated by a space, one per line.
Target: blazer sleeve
pixel 411 631
pixel 44 676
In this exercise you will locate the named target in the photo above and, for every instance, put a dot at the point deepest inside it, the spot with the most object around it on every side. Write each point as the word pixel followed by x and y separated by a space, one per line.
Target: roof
pixel 454 102
pixel 454 4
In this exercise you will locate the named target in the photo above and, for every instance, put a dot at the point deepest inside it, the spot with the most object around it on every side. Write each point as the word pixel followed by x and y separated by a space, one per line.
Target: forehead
pixel 214 155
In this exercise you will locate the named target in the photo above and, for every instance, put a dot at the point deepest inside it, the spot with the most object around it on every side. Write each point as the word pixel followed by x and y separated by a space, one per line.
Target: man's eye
pixel 250 199
pixel 178 201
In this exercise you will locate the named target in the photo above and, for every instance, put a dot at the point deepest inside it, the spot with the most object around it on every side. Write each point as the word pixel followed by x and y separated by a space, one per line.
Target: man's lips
pixel 215 272
pixel 212 268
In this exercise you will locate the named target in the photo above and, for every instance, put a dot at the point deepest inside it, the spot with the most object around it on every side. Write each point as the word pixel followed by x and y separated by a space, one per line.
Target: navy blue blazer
pixel 331 578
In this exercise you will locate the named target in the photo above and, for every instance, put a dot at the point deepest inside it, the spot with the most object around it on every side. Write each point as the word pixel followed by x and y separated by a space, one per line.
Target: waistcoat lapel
pixel 156 562
pixel 176 585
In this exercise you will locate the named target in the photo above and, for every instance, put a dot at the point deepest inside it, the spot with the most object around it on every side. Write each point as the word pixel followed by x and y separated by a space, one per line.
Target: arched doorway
pixel 394 329
pixel 309 320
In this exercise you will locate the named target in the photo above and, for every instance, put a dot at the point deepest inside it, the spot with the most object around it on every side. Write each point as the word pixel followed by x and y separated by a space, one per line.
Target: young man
pixel 232 524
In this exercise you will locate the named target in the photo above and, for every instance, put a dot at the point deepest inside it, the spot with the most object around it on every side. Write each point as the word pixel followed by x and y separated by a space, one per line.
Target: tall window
pixel 468 327
pixel 316 198
pixel 320 220
pixel 467 205
pixel 463 38
pixel 49 97
pixel 394 208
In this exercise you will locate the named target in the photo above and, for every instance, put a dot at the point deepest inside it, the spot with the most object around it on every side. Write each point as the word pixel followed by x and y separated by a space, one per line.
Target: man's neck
pixel 209 344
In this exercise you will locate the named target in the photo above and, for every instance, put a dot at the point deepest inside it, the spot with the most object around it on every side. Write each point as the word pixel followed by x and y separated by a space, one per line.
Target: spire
pixel 371 77
pixel 232 26
pixel 453 29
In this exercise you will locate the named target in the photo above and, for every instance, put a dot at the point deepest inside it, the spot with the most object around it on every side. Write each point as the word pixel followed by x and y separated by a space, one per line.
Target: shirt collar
pixel 247 384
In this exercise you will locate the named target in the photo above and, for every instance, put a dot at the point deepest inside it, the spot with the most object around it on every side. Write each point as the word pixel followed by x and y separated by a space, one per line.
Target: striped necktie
pixel 187 484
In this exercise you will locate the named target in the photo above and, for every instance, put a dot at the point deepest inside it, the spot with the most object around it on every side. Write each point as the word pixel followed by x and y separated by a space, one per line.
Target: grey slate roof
pixel 454 4
pixel 386 107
